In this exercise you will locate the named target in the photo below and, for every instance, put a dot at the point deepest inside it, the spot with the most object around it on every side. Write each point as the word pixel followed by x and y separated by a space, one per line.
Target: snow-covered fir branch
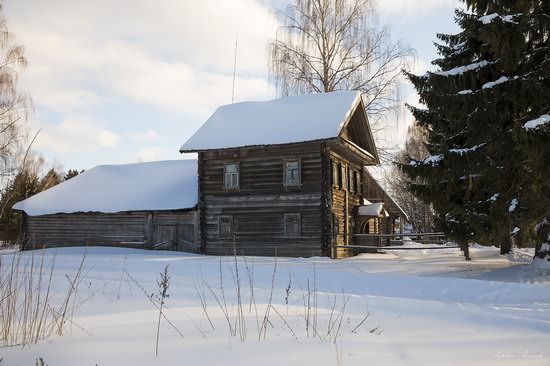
pixel 487 19
pixel 537 122
pixel 462 69
pixel 466 150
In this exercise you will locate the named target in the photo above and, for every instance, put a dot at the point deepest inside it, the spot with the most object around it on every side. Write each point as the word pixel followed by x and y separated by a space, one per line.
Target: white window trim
pixel 299 225
pixel 225 175
pixel 219 226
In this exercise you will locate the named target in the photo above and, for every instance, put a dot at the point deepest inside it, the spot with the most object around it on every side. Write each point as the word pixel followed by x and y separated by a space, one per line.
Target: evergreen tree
pixel 25 184
pixel 71 173
pixel 487 168
pixel 52 178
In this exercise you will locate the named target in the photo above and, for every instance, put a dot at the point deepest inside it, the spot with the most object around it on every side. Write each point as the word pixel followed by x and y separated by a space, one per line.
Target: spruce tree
pixel 488 132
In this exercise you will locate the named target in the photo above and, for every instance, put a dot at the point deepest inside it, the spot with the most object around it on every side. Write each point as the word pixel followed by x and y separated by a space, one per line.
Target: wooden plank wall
pixel 127 229
pixel 259 204
pixel 343 202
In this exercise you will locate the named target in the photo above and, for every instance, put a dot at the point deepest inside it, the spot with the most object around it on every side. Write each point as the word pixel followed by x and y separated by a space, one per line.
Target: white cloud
pixel 148 135
pixel 168 53
pixel 75 133
pixel 168 57
pixel 106 59
pixel 153 153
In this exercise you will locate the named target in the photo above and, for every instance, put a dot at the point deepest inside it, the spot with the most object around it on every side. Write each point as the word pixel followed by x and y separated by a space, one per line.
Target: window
pixel 354 187
pixel 358 182
pixel 334 174
pixel 231 175
pixel 340 175
pixel 292 173
pixel 351 181
pixel 293 226
pixel 225 227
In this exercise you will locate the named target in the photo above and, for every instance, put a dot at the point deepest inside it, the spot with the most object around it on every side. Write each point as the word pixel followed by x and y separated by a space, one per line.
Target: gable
pixel 357 131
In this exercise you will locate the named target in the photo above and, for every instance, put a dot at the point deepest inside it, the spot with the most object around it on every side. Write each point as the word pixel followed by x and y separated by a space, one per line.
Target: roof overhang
pixel 372 210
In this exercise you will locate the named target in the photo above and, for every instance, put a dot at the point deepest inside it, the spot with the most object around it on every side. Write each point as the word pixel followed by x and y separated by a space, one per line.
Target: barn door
pixel 166 234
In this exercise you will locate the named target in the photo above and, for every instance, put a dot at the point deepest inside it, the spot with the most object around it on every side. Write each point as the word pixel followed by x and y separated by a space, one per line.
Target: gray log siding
pixel 129 229
pixel 259 205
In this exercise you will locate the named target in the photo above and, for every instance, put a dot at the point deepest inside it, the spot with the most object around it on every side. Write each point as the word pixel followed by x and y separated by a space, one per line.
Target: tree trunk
pixel 505 241
pixel 542 250
pixel 465 247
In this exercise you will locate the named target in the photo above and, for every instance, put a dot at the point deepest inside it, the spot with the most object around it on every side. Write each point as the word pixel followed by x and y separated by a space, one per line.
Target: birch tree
pixel 14 105
pixel 329 45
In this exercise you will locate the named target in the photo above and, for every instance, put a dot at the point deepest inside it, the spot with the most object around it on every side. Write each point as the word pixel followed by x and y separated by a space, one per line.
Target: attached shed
pixel 142 205
pixel 379 214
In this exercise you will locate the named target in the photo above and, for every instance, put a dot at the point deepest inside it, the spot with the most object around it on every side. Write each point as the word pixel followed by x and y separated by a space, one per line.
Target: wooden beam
pixel 149 232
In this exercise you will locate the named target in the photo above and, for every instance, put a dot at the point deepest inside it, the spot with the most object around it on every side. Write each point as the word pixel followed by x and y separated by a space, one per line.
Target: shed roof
pixel 294 119
pixel 160 185
pixel 371 209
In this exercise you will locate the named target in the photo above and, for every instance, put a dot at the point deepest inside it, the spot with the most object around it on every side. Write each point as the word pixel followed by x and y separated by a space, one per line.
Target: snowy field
pixel 427 307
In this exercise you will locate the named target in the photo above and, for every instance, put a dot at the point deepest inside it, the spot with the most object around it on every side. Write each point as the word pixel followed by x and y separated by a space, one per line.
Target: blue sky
pixel 125 81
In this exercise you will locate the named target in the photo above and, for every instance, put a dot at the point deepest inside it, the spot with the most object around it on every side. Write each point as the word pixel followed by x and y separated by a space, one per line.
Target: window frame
pixel 285 172
pixel 342 176
pixel 225 173
pixel 339 176
pixel 231 231
pixel 335 170
pixel 351 180
pixel 299 223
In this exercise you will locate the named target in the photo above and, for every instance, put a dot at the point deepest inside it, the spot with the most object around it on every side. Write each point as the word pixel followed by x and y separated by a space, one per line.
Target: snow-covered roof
pixel 373 209
pixel 160 185
pixel 280 121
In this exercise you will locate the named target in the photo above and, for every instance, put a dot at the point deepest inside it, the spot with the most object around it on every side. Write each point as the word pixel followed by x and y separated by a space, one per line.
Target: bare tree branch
pixel 329 45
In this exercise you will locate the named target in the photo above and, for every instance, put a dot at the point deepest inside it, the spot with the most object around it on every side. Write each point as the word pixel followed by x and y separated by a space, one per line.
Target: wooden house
pixel 142 205
pixel 284 177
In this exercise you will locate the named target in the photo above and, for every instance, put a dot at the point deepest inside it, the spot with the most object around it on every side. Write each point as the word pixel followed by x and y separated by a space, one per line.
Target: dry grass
pixel 308 320
pixel 27 310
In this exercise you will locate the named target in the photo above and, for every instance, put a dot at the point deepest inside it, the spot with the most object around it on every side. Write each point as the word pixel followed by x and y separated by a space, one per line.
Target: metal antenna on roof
pixel 234 70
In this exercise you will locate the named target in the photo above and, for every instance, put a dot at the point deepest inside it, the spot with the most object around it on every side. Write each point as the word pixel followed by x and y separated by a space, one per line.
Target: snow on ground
pixel 427 307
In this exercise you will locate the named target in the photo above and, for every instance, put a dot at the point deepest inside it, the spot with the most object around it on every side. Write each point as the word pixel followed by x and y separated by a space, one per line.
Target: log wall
pixel 259 204
pixel 128 229
pixel 342 201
